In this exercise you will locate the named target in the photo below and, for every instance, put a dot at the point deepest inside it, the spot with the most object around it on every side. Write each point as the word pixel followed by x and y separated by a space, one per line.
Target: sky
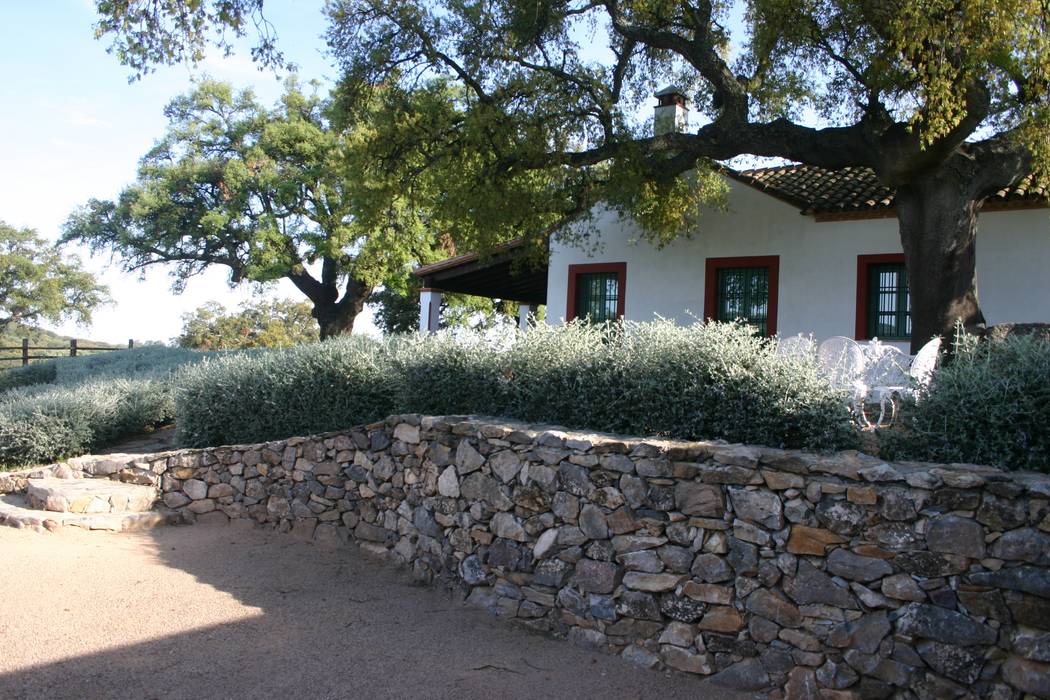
pixel 73 128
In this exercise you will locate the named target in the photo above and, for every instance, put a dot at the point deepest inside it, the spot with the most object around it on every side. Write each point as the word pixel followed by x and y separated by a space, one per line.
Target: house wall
pixel 818 263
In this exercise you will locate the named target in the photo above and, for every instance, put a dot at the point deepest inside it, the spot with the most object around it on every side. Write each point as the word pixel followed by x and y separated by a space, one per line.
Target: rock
pixel 681 609
pixel 538 474
pixel 505 464
pixel 424 521
pixel 699 499
pixel 653 583
pixel 678 634
pixel 645 560
pixel 721 618
pixel 634 543
pixel 708 593
pixel 841 517
pixel 677 559
pixel 848 565
pixel 203 506
pixel 467 458
pixel 1028 579
pixel 641 657
pixel 835 675
pixel 504 554
pixel 565 506
pixel 448 483
pixel 744 675
pixel 1025 544
pixel 958 663
pixel 479 487
pixel 573 601
pixel 951 534
pixel 596 576
pixel 195 489
pixel 930 564
pixel 863 634
pixel 407 433
pixel 896 536
pixel 221 491
pixel 175 499
pixel 372 533
pixel 902 587
pixel 551 572
pixel 1024 608
pixel 711 568
pixel 506 525
pixel 592 522
pixel 897 505
pixel 575 479
pixel 773 607
pixel 743 557
pixel 641 606
pixel 761 630
pixel 760 507
pixel 948 626
pixel 545 544
pixel 1001 513
pixel 811 585
pixel 811 540
pixel 687 661
pixel 1027 676
pixel 1034 646
pixel 801 685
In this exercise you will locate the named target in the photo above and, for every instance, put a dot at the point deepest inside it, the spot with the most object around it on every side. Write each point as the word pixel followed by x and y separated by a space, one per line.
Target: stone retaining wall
pixel 831 576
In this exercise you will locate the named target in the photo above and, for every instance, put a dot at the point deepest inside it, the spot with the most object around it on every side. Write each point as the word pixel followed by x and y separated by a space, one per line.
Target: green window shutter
pixel 889 302
pixel 743 293
pixel 598 296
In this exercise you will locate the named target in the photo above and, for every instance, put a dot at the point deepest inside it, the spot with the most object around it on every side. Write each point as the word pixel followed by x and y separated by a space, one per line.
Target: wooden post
pixel 131 344
pixel 73 347
pixel 25 351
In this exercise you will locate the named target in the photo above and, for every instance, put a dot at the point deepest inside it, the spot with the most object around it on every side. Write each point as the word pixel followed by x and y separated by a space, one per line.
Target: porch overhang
pixel 505 275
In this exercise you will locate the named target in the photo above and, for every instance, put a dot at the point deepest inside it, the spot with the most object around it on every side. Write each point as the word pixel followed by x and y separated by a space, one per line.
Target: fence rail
pixel 70 350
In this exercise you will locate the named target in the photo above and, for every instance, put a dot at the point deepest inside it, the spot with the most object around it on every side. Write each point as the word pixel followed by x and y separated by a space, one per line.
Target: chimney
pixel 671 114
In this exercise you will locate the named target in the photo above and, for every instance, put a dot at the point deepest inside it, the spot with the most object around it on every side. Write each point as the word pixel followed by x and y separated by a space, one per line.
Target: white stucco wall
pixel 818 263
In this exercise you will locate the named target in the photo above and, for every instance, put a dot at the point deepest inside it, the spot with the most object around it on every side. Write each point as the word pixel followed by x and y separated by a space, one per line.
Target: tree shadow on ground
pixel 309 622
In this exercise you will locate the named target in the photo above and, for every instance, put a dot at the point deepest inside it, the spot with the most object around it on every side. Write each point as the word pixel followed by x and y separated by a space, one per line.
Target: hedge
pixel 702 381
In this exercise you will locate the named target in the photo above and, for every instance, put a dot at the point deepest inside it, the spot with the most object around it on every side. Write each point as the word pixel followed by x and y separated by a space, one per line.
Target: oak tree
pixel 268 193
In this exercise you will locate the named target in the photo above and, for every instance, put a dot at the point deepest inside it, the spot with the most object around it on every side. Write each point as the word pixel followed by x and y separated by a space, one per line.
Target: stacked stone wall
pixel 831 576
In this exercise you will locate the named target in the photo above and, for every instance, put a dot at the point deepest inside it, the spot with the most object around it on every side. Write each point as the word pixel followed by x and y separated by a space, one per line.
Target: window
pixel 596 292
pixel 743 288
pixel 883 301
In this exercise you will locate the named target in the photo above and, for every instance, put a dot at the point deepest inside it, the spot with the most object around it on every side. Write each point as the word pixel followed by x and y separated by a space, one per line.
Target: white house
pixel 799 249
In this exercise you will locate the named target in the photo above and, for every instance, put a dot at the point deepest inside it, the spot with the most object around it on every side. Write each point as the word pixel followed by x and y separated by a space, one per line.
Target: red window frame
pixel 864 287
pixel 620 268
pixel 713 265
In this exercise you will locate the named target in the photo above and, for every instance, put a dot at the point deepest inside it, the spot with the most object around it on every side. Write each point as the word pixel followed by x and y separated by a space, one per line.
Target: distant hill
pixel 12 338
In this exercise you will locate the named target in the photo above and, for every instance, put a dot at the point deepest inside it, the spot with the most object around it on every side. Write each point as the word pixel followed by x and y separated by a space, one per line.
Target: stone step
pixel 89 496
pixel 16 512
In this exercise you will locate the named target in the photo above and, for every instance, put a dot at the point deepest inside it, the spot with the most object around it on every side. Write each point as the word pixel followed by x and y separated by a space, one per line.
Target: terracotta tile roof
pixel 821 191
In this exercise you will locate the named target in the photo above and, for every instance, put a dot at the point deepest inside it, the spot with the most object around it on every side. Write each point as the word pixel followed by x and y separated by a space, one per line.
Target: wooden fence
pixel 71 350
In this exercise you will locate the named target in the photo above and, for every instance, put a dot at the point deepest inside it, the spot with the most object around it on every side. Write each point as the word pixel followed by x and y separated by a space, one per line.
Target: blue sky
pixel 72 127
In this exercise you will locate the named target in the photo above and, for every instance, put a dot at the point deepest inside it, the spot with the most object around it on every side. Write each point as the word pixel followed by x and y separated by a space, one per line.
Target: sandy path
pixel 236 612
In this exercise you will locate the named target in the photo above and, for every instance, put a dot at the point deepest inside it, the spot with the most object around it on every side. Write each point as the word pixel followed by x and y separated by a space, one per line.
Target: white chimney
pixel 671 114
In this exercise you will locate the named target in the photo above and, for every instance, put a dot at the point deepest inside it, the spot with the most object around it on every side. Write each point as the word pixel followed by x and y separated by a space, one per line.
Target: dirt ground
pixel 229 611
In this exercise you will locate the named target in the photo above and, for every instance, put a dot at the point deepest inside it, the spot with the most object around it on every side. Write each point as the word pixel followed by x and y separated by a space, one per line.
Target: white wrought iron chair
pixel 842 361
pixel 886 368
pixel 888 390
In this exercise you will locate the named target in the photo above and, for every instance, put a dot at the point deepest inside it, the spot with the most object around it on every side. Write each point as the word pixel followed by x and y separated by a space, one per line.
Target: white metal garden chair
pixel 889 389
pixel 886 367
pixel 842 361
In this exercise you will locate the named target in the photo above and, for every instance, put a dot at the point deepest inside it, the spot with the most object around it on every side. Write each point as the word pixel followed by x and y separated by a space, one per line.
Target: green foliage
pixel 269 193
pixel 36 373
pixel 37 284
pixel 259 324
pixel 263 395
pixel 704 381
pixel 990 404
pixel 87 403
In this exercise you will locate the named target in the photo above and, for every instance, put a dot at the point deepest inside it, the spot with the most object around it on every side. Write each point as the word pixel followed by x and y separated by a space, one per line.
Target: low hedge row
pixel 81 404
pixel 702 381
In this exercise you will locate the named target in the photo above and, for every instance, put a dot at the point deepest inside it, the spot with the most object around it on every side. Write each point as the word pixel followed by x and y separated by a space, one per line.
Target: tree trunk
pixel 938 230
pixel 337 319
